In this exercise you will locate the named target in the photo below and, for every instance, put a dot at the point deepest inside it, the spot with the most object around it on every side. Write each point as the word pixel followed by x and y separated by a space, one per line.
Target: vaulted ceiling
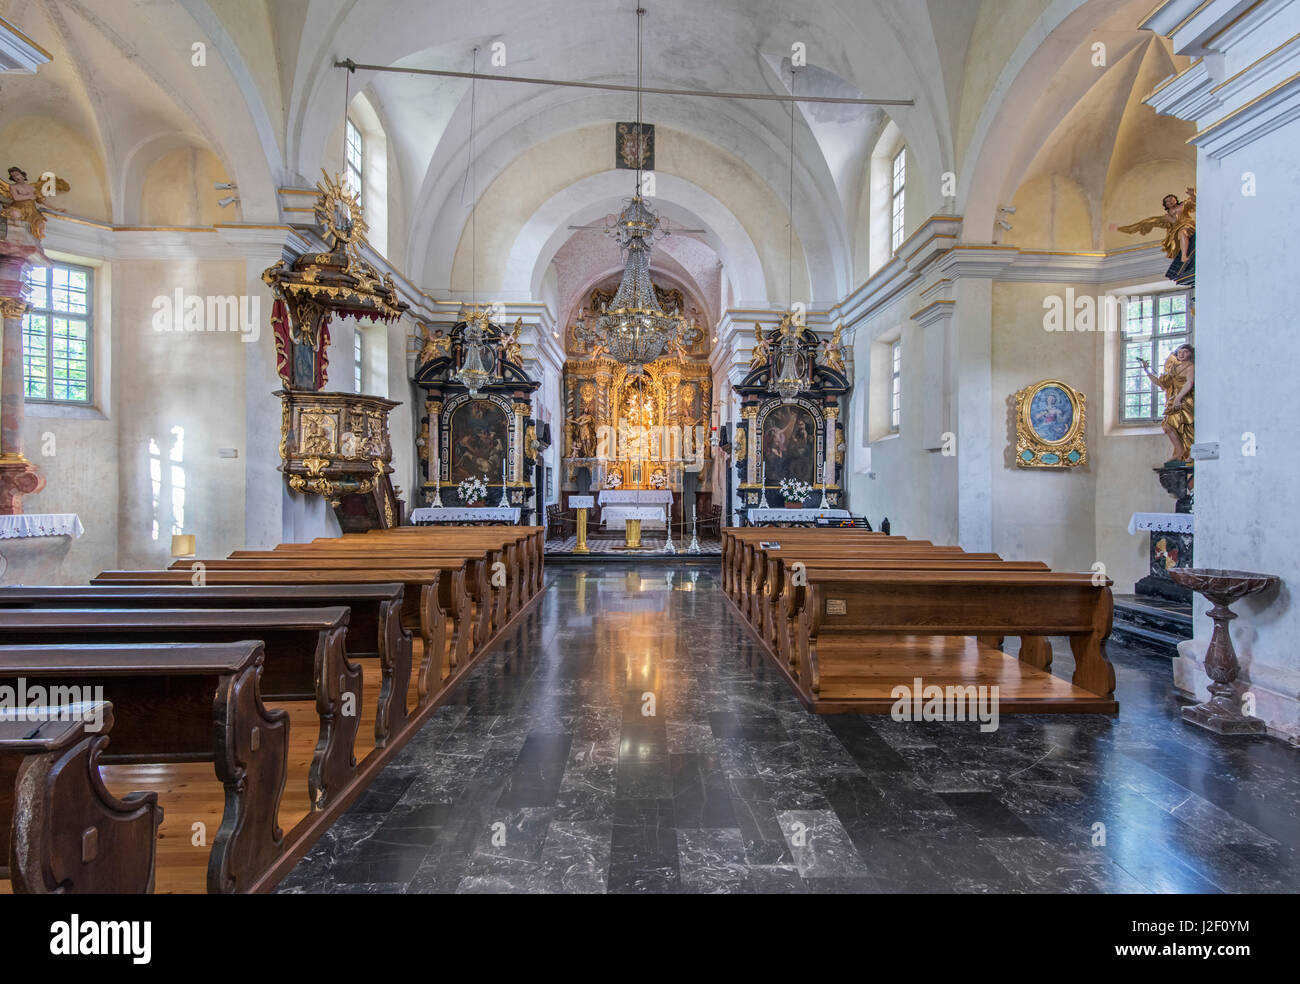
pixel 265 98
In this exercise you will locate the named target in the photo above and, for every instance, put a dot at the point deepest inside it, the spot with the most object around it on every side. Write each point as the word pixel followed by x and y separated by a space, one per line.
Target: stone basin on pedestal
pixel 1222 713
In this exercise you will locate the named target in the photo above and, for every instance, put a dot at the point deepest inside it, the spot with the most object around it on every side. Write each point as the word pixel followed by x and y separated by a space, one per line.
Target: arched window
pixel 354 165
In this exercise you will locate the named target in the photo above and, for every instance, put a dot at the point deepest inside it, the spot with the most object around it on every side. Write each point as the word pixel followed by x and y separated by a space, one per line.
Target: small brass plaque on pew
pixel 837 606
pixel 769 545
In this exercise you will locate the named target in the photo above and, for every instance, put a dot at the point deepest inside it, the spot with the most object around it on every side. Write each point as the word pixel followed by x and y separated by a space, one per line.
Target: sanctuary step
pixel 1154 625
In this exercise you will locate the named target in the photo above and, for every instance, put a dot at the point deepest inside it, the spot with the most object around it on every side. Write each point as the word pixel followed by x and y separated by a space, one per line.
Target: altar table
pixel 768 517
pixel 473 515
pixel 651 517
pixel 637 497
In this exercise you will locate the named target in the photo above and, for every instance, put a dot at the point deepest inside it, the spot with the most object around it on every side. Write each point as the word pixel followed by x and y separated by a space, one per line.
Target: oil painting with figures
pixel 789 445
pixel 1051 414
pixel 478 441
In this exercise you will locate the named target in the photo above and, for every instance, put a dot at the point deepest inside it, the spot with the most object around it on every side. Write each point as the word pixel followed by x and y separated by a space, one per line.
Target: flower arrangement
pixel 615 480
pixel 659 480
pixel 793 490
pixel 472 491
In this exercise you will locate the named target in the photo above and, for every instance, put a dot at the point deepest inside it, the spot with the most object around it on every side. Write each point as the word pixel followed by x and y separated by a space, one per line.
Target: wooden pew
pixel 760 590
pixel 421 612
pixel 780 623
pixel 374 626
pixel 453 597
pixel 845 614
pixel 529 541
pixel 304 659
pixel 61 830
pixel 493 607
pixel 735 540
pixel 186 703
pixel 517 552
pixel 743 555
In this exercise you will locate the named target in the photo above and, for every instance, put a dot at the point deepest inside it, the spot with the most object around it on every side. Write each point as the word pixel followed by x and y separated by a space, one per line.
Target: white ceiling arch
pixel 592 198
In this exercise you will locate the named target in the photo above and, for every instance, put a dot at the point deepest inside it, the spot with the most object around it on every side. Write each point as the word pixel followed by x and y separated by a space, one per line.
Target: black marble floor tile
pixel 627 736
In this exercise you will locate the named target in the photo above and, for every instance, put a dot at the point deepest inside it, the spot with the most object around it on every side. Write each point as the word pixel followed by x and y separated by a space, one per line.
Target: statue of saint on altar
pixel 1178 381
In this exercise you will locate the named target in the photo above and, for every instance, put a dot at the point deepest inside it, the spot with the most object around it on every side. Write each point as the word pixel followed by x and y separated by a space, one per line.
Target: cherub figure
pixel 762 349
pixel 436 345
pixel 1179 223
pixel 832 353
pixel 24 202
pixel 512 349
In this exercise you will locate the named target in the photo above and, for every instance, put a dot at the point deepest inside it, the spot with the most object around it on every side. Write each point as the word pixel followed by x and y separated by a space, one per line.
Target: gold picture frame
pixel 1051 422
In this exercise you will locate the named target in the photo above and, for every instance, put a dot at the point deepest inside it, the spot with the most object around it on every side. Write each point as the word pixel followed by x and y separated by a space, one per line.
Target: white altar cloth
pixel 759 516
pixel 652 517
pixel 466 514
pixel 639 497
pixel 1162 522
pixel 40 524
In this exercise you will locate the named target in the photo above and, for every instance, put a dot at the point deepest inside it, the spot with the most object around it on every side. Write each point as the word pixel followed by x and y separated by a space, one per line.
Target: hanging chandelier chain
pixel 789 241
pixel 473 167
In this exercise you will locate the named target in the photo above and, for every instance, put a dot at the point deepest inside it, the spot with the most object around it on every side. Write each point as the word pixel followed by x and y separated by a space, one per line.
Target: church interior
pixel 740 448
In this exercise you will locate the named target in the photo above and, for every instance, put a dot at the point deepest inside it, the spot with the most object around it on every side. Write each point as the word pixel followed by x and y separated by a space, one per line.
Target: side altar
pixel 478 421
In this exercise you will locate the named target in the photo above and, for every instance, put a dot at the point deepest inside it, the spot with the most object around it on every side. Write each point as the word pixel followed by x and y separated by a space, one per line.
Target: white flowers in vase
pixel 614 480
pixel 793 490
pixel 472 491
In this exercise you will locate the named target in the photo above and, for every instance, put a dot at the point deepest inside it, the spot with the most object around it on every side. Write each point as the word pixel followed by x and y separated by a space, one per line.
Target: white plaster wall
pixel 1245 385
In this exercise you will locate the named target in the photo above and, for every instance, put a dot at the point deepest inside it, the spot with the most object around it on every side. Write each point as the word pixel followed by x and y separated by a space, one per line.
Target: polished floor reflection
pixel 629 737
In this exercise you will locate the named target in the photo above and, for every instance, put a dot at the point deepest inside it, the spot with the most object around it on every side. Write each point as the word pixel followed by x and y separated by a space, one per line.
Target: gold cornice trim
pixel 26 38
pixel 1241 109
pixel 1232 23
pixel 1172 79
pixel 1261 58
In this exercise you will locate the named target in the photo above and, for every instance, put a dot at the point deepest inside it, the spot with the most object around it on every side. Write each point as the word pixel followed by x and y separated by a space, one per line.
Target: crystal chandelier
pixel 791 377
pixel 478 359
pixel 632 327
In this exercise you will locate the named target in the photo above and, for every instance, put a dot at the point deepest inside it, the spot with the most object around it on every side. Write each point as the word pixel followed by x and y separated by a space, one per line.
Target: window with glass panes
pixel 353 168
pixel 896 384
pixel 57 334
pixel 1155 325
pixel 357 366
pixel 899 184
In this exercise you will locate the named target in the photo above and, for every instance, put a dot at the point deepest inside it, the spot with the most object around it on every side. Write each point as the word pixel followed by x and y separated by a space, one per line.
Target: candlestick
pixel 435 473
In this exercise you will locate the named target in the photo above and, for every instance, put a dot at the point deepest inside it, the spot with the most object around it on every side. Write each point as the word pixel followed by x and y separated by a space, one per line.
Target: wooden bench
pixel 61 830
pixel 528 540
pixel 421 612
pixel 780 623
pixel 304 659
pixel 374 625
pixel 453 597
pixel 186 703
pixel 739 550
pixel 517 551
pixel 846 614
pixel 466 575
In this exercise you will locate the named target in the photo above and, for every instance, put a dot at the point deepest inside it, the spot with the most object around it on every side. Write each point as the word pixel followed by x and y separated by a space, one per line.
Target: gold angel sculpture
pixel 512 350
pixel 1178 381
pixel 436 344
pixel 762 349
pixel 23 201
pixel 1179 223
pixel 832 354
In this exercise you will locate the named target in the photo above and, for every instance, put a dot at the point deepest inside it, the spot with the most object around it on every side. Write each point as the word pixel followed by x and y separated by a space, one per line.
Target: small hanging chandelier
pixel 791 376
pixel 632 327
pixel 791 364
pixel 479 359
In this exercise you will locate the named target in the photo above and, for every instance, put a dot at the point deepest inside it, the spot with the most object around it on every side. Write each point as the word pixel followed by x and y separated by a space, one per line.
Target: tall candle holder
pixel 505 494
pixel 694 548
pixel 825 504
pixel 435 472
pixel 762 480
pixel 1222 713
